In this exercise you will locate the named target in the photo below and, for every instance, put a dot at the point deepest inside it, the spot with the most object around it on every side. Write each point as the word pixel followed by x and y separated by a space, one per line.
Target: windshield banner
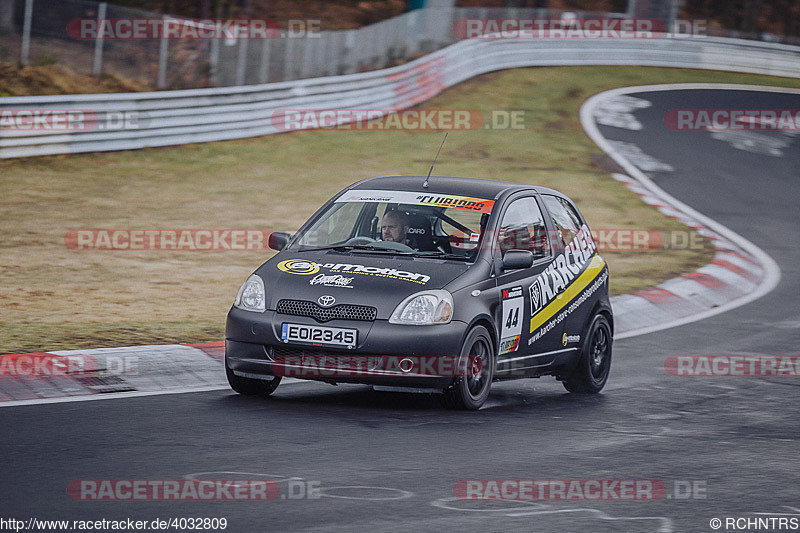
pixel 467 203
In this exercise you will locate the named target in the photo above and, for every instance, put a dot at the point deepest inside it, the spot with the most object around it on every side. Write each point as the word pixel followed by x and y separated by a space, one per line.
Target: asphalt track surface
pixel 389 461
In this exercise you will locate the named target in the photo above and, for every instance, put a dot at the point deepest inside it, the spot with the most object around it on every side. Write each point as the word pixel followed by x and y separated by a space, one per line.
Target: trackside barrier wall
pixel 200 115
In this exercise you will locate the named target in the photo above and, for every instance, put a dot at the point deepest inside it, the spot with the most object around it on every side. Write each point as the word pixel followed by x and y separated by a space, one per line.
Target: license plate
pixel 319 335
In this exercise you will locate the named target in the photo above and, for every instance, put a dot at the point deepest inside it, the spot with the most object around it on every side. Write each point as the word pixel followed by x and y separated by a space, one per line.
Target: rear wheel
pixel 470 390
pixel 594 363
pixel 251 387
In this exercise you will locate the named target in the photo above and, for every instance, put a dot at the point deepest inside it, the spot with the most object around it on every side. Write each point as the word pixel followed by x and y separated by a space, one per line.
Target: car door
pixel 522 227
pixel 573 238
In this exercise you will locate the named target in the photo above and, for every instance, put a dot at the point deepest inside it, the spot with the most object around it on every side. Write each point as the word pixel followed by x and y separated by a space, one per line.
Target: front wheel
pixel 470 390
pixel 594 363
pixel 251 387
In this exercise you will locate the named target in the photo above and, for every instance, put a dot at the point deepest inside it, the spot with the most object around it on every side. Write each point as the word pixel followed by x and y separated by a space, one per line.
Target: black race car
pixel 441 284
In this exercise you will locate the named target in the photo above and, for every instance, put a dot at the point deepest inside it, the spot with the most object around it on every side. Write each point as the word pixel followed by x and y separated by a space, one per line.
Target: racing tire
pixel 594 362
pixel 251 387
pixel 469 392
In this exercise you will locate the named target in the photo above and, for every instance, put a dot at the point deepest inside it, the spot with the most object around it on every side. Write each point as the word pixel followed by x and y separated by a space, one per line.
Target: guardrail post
pixel 97 64
pixel 26 33
pixel 163 48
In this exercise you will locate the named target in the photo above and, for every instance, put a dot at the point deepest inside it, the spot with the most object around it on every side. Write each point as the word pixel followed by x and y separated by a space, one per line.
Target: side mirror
pixel 278 240
pixel 516 259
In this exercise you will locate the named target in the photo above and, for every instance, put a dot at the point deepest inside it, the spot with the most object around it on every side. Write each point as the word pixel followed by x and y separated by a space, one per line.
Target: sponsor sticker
pixel 299 266
pixel 333 280
pixel 307 268
pixel 585 279
pixel 566 339
pixel 564 269
pixel 467 203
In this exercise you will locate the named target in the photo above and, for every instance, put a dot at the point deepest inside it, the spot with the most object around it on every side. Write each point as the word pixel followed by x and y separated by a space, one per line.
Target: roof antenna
pixel 425 183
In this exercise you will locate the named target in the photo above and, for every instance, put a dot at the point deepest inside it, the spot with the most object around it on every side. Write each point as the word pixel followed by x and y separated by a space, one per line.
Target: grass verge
pixel 55 298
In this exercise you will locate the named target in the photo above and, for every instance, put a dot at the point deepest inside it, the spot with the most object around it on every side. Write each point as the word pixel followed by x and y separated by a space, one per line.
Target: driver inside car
pixel 394 226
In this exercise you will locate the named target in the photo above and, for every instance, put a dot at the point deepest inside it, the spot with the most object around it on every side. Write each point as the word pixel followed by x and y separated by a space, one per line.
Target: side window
pixel 566 219
pixel 523 228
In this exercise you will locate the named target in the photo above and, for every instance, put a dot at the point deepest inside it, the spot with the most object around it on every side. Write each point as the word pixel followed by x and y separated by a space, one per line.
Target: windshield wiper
pixel 442 255
pixel 370 248
pixel 356 248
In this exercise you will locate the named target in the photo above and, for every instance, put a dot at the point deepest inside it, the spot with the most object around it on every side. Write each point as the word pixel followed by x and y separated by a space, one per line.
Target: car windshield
pixel 400 222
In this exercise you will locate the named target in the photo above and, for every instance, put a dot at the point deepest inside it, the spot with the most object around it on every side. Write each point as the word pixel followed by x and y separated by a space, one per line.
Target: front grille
pixel 324 314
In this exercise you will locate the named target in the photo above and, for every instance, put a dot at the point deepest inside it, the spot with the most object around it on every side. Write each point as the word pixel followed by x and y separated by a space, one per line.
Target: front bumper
pixel 385 354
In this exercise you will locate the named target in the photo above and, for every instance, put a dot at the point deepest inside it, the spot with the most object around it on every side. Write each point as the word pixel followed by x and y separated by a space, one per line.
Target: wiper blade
pixel 371 248
pixel 355 248
pixel 322 248
pixel 442 255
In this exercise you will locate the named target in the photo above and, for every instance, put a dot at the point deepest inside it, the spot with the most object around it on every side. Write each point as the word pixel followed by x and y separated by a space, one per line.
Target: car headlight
pixel 424 308
pixel 251 295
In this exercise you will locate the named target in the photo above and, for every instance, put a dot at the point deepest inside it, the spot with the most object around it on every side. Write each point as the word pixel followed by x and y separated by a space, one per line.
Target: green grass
pixel 55 298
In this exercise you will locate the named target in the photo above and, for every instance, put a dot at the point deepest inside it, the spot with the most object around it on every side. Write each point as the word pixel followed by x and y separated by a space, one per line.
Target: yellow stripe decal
pixel 586 277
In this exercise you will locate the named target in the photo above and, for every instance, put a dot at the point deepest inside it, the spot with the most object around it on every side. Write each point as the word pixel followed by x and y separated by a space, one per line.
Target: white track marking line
pixel 772 273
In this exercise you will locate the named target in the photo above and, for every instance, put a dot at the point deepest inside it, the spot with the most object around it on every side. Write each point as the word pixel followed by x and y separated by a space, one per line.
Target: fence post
pixel 241 58
pixel 333 55
pixel 263 73
pixel 163 48
pixel 288 52
pixel 26 33
pixel 97 65
pixel 213 58
pixel 307 60
pixel 349 43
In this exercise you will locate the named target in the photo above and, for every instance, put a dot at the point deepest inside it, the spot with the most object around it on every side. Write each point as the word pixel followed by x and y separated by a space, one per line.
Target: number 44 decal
pixel 512 319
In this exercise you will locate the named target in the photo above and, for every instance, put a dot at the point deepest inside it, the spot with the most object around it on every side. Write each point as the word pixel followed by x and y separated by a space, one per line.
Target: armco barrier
pixel 202 115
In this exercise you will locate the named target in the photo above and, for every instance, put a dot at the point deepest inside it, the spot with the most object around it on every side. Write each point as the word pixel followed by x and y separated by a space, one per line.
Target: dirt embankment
pixel 57 79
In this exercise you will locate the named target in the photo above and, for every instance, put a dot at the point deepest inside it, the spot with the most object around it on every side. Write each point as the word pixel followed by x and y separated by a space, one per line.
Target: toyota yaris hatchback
pixel 444 284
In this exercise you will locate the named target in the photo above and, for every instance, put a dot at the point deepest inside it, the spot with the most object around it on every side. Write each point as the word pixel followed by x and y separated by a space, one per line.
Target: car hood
pixel 363 279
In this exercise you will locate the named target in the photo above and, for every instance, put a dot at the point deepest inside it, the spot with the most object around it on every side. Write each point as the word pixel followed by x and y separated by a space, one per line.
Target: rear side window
pixel 565 217
pixel 523 228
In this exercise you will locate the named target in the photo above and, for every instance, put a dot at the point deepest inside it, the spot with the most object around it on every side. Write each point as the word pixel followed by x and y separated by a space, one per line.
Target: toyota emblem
pixel 326 301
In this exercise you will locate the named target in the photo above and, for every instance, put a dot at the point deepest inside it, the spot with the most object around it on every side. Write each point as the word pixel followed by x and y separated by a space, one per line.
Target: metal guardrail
pixel 201 115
